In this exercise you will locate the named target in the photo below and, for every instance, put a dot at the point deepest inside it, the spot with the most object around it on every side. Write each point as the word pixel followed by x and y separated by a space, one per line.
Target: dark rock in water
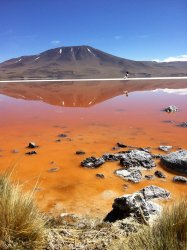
pixel 130 175
pixel 165 148
pixel 92 162
pixel 58 140
pixel 152 192
pixel 101 176
pixel 31 153
pixel 53 170
pixel 32 145
pixel 159 174
pixel 176 161
pixel 133 205
pixel 156 156
pixel 62 135
pixel 111 157
pixel 130 202
pixel 149 177
pixel 121 145
pixel 115 148
pixel 171 108
pixel 137 159
pixel 144 149
pixel 183 125
pixel 181 179
pixel 169 121
pixel 80 152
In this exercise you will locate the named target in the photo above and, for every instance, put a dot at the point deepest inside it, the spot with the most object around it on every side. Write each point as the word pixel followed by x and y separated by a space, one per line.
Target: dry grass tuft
pixel 21 224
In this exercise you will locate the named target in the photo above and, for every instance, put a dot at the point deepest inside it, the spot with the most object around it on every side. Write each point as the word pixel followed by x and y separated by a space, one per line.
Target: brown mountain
pixel 84 62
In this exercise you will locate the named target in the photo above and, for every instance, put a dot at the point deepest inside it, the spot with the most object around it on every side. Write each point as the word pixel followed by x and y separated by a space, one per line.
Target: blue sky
pixel 133 29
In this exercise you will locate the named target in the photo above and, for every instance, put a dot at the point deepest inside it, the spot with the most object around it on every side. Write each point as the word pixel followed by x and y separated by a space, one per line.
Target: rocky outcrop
pixel 159 174
pixel 138 205
pixel 171 108
pixel 121 145
pixel 130 175
pixel 32 145
pixel 165 148
pixel 92 162
pixel 154 192
pixel 62 135
pixel 80 152
pixel 31 153
pixel 180 179
pixel 183 125
pixel 137 159
pixel 101 176
pixel 131 160
pixel 156 156
pixel 128 159
pixel 149 176
pixel 176 161
pixel 111 157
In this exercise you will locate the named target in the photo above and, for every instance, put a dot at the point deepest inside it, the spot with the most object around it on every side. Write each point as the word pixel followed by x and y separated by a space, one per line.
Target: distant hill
pixel 84 62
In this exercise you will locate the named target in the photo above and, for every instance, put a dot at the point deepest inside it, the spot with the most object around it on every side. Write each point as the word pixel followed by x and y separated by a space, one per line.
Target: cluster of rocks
pixel 133 161
pixel 183 124
pixel 133 158
pixel 138 205
pixel 171 108
pixel 32 145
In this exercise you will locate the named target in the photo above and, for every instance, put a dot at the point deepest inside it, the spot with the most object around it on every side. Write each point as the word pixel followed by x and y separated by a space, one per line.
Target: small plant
pixel 21 224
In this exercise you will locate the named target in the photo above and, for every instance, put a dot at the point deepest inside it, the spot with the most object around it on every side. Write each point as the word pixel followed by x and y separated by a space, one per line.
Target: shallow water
pixel 95 116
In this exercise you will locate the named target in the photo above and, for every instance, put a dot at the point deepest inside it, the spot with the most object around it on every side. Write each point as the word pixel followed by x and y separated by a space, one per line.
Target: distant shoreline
pixel 102 79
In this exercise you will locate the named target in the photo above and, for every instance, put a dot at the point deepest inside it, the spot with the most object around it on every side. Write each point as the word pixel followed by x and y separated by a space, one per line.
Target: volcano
pixel 84 62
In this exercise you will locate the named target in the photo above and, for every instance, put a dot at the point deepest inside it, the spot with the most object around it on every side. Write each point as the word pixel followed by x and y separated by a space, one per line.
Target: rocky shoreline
pixel 135 160
pixel 130 211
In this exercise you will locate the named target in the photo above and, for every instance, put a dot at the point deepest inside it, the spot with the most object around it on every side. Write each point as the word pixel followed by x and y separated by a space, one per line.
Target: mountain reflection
pixel 82 94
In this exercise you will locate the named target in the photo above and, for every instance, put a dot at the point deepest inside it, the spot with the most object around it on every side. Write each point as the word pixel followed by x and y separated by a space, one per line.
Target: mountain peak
pixel 83 62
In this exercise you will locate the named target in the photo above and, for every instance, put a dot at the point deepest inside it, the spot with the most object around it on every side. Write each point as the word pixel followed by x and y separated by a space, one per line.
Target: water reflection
pixel 85 94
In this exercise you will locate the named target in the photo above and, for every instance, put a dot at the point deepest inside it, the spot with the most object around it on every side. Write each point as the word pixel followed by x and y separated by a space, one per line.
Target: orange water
pixel 94 115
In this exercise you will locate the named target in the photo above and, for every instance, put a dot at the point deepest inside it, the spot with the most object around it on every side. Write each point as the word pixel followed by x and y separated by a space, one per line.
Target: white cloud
pixel 55 41
pixel 181 58
pixel 172 91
